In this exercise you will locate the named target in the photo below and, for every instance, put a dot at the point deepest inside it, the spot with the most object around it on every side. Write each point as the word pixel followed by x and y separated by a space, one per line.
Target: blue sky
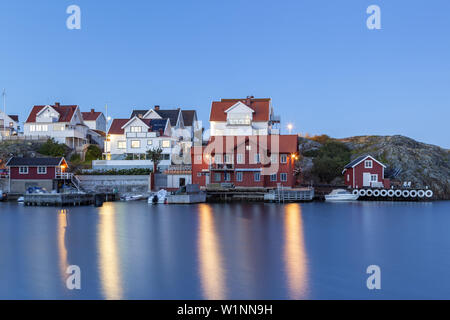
pixel 325 71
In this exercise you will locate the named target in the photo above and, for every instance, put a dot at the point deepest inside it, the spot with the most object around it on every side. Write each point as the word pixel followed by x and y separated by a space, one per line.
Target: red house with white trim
pixel 36 172
pixel 365 171
pixel 246 161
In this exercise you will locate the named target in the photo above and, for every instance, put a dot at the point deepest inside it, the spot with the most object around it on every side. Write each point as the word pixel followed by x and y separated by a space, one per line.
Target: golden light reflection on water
pixel 109 254
pixel 212 273
pixel 294 252
pixel 62 250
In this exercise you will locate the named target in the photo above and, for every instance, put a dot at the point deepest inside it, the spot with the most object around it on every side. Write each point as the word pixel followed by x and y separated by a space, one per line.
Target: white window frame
pixel 133 141
pixel 39 170
pixel 372 176
pixel 22 170
pixel 123 143
pixel 257 176
pixel 274 158
pixel 227 177
pixel 283 158
pixel 136 129
pixel 166 143
pixel 239 176
pixel 218 159
pixel 217 174
pixel 240 158
pixel 149 142
pixel 283 177
pixel 273 177
pixel 368 164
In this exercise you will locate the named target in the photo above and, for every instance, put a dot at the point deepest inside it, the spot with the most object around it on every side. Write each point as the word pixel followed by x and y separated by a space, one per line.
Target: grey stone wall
pixel 121 184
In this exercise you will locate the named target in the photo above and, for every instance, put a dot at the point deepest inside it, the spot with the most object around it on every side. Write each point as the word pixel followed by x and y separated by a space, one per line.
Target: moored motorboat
pixel 341 195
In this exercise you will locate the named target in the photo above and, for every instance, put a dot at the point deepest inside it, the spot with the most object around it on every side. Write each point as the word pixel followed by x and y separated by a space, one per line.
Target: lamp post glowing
pixel 290 127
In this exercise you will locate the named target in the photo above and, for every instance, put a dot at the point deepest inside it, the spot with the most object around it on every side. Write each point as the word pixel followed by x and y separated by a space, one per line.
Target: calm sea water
pixel 234 251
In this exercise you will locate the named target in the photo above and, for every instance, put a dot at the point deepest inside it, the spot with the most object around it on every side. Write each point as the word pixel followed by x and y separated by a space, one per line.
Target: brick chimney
pixel 156 108
pixel 92 110
pixel 57 104
pixel 248 101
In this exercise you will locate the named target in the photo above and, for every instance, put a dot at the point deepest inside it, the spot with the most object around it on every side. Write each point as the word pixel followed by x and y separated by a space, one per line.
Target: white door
pixel 366 179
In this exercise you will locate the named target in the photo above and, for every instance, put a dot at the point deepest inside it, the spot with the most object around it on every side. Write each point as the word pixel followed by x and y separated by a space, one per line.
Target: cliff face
pixel 422 164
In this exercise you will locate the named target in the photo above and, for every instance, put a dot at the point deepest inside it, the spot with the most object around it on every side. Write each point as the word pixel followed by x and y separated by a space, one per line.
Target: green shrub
pixel 53 148
pixel 93 152
pixel 330 160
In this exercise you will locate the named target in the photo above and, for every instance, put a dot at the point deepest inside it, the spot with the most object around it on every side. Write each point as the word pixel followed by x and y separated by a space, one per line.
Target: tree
pixel 53 148
pixel 93 152
pixel 155 155
pixel 330 161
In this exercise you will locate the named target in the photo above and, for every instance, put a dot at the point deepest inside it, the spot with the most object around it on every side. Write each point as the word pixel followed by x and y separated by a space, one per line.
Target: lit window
pixel 135 144
pixel 136 129
pixel 273 177
pixel 368 164
pixel 283 177
pixel 348 177
pixel 283 158
pixel 23 170
pixel 149 142
pixel 121 144
pixel 239 176
pixel 42 170
pixel 32 128
pixel 248 148
pixel 257 176
pixel 166 144
pixel 240 158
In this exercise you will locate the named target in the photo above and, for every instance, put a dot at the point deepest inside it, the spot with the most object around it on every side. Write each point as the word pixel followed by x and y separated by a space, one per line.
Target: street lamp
pixel 290 126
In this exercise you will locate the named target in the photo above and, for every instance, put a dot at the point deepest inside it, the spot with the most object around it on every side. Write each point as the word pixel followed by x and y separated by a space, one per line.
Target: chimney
pixel 92 110
pixel 156 108
pixel 248 101
pixel 57 105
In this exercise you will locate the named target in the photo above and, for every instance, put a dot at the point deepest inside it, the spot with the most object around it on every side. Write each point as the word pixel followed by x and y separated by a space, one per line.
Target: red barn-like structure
pixel 35 172
pixel 365 171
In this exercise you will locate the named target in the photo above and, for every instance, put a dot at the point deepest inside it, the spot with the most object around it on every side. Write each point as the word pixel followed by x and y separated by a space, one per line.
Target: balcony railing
pixel 64 175
pixel 222 166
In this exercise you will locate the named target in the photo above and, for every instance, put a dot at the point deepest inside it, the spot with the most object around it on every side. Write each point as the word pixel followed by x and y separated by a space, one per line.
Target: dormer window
pixel 368 164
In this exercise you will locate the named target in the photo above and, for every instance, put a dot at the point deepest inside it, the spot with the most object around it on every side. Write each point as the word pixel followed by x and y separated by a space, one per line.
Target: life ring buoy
pixel 421 193
pixel 398 193
pixel 369 193
pixel 384 193
pixel 428 193
pixel 391 193
pixel 362 192
pixel 405 193
pixel 376 193
pixel 355 192
pixel 413 193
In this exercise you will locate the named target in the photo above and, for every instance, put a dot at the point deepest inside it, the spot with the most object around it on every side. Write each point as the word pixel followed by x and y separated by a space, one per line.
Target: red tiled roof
pixel 286 143
pixel 260 106
pixel 65 112
pixel 91 115
pixel 116 126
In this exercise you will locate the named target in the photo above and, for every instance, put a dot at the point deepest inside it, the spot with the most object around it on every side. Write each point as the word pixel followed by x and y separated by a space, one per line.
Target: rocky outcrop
pixel 422 164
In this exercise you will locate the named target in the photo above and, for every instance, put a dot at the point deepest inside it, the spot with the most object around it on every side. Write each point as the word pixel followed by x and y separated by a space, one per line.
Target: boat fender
pixel 421 193
pixel 413 193
pixel 376 193
pixel 398 193
pixel 405 193
pixel 391 193
pixel 384 193
pixel 362 192
pixel 355 192
pixel 429 193
pixel 369 193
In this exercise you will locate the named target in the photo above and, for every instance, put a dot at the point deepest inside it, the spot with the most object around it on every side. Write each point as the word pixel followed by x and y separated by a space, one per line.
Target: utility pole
pixel 4 100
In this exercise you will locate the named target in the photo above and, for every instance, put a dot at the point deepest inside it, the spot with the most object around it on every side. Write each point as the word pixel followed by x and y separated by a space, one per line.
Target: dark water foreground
pixel 237 251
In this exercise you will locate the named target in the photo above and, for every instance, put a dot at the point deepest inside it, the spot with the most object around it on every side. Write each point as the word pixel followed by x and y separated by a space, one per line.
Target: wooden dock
pixel 259 194
pixel 290 195
pixel 67 199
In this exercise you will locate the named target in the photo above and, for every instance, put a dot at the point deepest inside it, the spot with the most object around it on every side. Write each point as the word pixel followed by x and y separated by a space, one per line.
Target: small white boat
pixel 341 195
pixel 21 199
pixel 158 197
